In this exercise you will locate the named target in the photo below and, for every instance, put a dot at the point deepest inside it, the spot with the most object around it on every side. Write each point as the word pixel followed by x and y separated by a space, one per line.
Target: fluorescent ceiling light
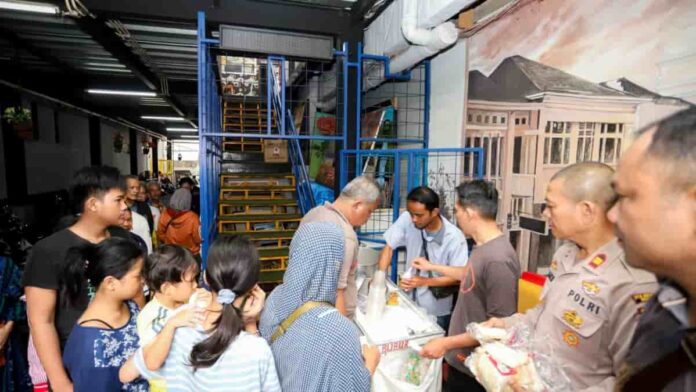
pixel 28 6
pixel 160 29
pixel 182 130
pixel 163 118
pixel 189 136
pixel 106 65
pixel 116 70
pixel 122 92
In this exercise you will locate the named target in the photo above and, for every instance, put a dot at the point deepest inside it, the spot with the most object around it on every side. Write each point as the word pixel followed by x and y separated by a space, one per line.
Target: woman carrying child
pixel 225 354
pixel 105 335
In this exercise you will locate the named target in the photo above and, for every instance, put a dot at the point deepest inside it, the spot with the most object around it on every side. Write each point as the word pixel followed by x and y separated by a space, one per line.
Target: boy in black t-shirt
pixel 99 196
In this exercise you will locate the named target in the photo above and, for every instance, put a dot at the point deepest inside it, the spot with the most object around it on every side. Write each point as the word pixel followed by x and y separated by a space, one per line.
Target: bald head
pixel 588 181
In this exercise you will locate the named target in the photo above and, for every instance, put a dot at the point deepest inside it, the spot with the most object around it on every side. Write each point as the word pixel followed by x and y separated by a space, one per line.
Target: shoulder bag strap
pixel 283 327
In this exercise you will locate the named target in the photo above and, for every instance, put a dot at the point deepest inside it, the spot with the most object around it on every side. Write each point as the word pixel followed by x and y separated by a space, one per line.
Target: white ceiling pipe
pixel 437 38
pixel 411 57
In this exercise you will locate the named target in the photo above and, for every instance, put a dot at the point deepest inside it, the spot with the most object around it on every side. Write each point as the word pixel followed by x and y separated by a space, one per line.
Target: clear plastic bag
pixel 515 354
pixel 486 334
pixel 376 297
pixel 406 371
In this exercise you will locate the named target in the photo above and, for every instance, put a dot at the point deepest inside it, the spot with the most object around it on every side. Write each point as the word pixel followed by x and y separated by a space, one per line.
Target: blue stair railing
pixel 305 197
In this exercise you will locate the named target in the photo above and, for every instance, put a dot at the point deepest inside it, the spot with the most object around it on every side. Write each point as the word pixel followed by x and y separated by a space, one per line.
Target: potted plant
pixel 118 142
pixel 21 121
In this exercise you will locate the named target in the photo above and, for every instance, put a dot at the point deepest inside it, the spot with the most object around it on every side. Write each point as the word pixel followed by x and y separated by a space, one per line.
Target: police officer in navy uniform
pixel 655 217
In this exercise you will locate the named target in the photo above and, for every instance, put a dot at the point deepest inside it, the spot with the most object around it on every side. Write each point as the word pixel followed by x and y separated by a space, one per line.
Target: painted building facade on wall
pixel 532 120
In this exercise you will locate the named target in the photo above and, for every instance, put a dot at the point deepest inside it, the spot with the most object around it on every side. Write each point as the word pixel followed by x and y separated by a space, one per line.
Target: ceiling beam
pixel 59 88
pixel 106 37
pixel 360 9
pixel 250 13
pixel 35 51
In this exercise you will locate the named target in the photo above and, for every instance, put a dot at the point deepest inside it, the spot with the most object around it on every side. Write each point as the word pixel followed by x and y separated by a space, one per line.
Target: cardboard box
pixel 275 151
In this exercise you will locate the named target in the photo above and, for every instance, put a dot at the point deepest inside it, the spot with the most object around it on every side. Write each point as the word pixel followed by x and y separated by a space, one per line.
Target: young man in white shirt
pixel 426 233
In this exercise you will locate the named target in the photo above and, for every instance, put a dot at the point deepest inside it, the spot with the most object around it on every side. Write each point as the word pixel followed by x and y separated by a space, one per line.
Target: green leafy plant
pixel 17 115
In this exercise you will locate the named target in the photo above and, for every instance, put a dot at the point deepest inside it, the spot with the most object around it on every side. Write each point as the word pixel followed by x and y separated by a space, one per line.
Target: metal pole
pixel 358 98
pixel 202 124
pixel 345 97
pixel 426 109
pixel 282 95
pixel 269 106
pixel 396 198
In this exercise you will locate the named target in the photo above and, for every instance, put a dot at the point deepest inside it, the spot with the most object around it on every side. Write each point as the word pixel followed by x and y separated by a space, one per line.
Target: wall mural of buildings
pixel 554 82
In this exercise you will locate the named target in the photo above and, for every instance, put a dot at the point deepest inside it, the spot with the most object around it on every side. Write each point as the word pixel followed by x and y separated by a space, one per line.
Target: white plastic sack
pixel 391 374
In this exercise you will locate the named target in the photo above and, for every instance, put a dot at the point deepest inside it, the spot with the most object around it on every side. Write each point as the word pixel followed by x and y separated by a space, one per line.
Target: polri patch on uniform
pixel 554 265
pixel 597 261
pixel 590 288
pixel 571 338
pixel 573 318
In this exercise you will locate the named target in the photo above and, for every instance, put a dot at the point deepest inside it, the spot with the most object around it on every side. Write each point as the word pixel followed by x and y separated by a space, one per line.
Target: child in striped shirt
pixel 171 273
pixel 227 355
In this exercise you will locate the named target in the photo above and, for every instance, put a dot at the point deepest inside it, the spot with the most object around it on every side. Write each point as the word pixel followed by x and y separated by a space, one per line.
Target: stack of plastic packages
pixel 511 356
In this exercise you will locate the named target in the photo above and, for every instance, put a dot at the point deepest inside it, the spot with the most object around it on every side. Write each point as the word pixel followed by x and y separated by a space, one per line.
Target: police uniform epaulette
pixel 600 261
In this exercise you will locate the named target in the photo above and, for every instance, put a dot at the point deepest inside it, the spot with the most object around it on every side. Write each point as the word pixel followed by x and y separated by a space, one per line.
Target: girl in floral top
pixel 105 335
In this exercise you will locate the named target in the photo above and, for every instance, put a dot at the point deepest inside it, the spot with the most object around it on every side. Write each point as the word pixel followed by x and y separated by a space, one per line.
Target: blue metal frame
pixel 211 136
pixel 210 150
pixel 417 174
pixel 345 65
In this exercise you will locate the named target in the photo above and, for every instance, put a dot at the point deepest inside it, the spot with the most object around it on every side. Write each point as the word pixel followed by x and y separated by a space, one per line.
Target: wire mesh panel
pixel 313 92
pixel 399 171
pixel 443 171
pixel 393 109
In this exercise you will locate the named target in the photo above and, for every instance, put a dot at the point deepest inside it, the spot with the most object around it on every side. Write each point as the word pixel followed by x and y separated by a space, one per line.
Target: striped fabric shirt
pixel 151 320
pixel 246 366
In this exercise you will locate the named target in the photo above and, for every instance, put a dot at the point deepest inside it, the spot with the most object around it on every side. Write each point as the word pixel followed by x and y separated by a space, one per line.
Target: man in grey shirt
pixel 352 209
pixel 488 282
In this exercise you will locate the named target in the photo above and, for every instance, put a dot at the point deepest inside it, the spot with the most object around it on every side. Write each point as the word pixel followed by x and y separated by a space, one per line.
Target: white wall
pixel 188 149
pixel 50 165
pixel 448 78
pixel 143 159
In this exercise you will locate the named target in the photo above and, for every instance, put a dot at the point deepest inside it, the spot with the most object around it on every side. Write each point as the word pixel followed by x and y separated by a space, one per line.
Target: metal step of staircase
pixel 253 167
pixel 257 199
pixel 239 156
